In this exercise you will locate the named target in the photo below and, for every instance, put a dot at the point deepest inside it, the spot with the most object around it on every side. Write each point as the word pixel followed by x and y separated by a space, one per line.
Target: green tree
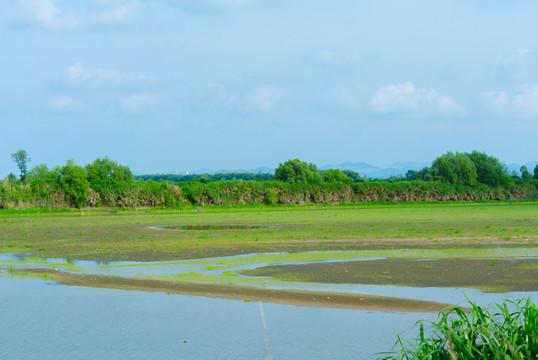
pixel 42 173
pixel 335 176
pixel 489 170
pixel 297 172
pixel 525 173
pixel 74 182
pixel 22 159
pixel 454 169
pixel 411 175
pixel 103 173
pixel 536 172
pixel 353 175
pixel 425 174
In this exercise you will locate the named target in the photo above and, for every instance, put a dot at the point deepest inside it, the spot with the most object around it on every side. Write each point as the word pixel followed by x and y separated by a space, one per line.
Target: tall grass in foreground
pixel 503 331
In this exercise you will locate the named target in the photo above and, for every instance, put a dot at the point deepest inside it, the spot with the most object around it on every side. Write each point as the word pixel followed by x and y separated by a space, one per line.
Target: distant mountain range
pixel 379 172
pixel 260 169
pixel 364 169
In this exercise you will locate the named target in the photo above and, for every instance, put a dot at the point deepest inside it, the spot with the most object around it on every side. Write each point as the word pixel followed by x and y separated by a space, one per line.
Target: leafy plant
pixel 504 331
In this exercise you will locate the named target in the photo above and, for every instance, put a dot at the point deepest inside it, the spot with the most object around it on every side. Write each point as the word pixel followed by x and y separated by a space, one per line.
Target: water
pixel 224 270
pixel 44 320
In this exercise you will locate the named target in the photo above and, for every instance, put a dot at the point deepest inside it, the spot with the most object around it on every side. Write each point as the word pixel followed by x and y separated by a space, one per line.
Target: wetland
pixel 379 261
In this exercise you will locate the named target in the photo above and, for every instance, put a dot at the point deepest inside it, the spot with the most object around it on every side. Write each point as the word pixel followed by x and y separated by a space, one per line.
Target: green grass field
pixel 96 234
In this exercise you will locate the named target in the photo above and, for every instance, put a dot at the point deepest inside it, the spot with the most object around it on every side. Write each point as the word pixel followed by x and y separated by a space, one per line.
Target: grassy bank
pixel 128 234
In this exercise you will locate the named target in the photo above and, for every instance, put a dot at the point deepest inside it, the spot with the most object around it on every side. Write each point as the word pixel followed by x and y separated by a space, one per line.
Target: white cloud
pixel 217 94
pixel 142 102
pixel 515 58
pixel 524 103
pixel 66 104
pixel 45 13
pixel 496 99
pixel 78 74
pixel 327 57
pixel 233 3
pixel 404 97
pixel 445 103
pixel 527 101
pixel 116 14
pixel 264 97
pixel 212 5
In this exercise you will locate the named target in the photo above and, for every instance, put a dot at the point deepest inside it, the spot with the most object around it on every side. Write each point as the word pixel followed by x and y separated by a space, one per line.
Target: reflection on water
pixel 225 270
pixel 44 320
pixel 47 321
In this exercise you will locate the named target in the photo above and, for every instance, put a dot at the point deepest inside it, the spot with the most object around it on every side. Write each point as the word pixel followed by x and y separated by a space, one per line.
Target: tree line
pixel 104 182
pixel 467 169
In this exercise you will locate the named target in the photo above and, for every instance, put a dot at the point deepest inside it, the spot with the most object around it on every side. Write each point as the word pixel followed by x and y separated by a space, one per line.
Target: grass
pixel 503 331
pixel 130 234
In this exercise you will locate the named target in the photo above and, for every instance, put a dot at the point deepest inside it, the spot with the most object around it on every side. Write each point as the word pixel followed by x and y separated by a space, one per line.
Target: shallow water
pixel 224 270
pixel 44 320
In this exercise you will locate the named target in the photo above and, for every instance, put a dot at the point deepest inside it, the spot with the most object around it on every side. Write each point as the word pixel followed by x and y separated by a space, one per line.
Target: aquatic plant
pixel 502 331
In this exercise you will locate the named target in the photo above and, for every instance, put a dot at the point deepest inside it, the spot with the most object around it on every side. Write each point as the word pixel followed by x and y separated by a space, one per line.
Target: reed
pixel 501 331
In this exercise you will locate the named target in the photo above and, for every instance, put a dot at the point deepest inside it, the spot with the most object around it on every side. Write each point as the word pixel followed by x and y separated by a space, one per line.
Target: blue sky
pixel 186 84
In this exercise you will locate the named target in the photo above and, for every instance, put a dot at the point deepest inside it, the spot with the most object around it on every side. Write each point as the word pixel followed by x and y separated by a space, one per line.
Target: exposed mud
pixel 499 275
pixel 290 297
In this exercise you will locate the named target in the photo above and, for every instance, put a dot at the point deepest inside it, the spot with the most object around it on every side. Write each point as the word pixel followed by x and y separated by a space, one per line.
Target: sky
pixel 165 86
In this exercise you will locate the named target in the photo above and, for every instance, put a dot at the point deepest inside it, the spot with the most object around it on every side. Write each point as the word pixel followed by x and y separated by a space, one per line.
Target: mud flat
pixel 490 275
